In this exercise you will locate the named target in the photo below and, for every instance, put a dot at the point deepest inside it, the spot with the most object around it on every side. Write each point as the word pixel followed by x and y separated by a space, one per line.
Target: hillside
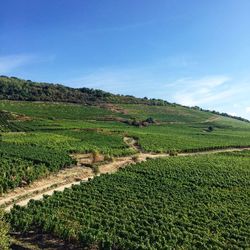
pixel 53 137
pixel 13 88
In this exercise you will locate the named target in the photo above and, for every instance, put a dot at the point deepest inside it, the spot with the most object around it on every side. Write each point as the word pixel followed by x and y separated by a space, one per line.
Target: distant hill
pixel 13 88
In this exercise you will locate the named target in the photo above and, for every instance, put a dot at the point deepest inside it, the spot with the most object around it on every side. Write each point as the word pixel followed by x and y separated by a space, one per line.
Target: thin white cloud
pixel 11 62
pixel 201 91
pixel 101 79
pixel 248 110
pixel 130 78
pixel 122 81
pixel 233 113
pixel 207 81
pixel 219 93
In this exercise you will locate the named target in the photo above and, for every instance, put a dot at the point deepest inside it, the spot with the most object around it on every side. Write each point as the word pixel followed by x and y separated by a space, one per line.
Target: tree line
pixel 13 88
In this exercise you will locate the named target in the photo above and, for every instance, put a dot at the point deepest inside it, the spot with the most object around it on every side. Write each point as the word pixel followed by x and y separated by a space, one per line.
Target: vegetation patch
pixel 180 202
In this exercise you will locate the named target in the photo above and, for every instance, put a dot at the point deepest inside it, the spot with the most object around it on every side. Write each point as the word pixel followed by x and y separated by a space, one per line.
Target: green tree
pixel 4 233
pixel 210 129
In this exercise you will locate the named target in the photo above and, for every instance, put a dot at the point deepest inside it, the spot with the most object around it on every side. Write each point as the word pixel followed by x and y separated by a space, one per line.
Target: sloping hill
pixel 62 135
pixel 13 88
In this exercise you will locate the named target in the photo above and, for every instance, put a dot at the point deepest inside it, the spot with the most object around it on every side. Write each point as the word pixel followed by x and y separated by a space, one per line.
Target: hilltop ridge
pixel 13 88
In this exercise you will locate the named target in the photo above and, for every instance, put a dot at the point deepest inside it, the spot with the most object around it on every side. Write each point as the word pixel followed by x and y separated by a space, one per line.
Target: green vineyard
pixel 124 125
pixel 183 203
pixel 196 197
pixel 22 164
pixel 7 124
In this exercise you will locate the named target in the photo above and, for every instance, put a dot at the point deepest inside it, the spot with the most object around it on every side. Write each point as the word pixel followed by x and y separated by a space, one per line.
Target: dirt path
pixel 50 192
pixel 212 119
pixel 63 178
pixel 74 175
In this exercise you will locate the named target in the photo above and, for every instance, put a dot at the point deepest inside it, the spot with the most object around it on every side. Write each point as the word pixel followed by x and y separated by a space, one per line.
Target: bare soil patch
pixel 114 108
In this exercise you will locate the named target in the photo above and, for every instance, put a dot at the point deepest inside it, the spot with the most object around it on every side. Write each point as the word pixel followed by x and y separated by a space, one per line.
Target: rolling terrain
pixel 194 195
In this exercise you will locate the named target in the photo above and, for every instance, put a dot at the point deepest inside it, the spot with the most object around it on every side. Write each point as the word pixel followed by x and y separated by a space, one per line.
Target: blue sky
pixel 190 52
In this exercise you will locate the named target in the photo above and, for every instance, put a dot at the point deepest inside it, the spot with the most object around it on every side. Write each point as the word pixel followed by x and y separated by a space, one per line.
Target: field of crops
pixel 40 143
pixel 169 113
pixel 6 125
pixel 156 138
pixel 72 141
pixel 185 202
pixel 190 138
pixel 53 159
pixel 16 171
pixel 26 156
pixel 22 164
pixel 65 136
pixel 51 131
pixel 56 110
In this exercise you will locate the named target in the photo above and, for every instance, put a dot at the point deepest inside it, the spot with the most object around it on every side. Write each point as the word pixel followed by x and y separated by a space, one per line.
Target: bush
pixel 95 156
pixel 4 233
pixel 108 158
pixel 173 152
pixel 150 120
pixel 135 158
pixel 95 169
pixel 210 129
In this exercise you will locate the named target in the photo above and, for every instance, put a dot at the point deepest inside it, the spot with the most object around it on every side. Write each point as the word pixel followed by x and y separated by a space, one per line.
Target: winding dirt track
pixel 74 175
